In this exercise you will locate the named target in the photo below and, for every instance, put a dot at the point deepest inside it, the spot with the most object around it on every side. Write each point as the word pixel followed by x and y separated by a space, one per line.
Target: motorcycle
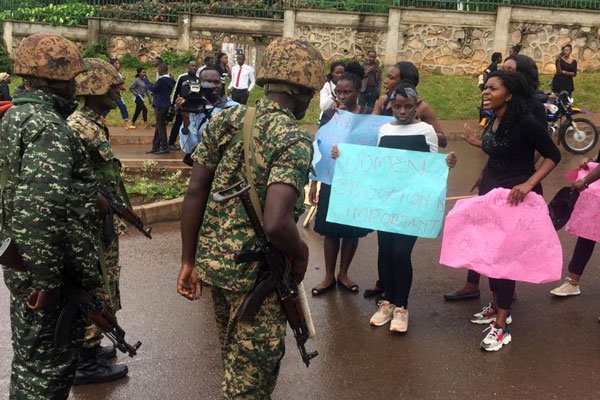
pixel 578 135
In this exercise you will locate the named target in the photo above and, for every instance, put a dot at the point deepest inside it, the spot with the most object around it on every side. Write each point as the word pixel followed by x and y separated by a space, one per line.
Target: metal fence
pixel 76 12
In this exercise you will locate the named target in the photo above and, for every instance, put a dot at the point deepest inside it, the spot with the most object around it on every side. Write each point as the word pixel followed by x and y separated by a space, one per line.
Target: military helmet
pixel 98 78
pixel 48 57
pixel 292 61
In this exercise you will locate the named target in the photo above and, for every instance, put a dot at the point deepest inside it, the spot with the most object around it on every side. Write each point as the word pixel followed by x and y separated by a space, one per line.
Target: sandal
pixel 350 287
pixel 317 291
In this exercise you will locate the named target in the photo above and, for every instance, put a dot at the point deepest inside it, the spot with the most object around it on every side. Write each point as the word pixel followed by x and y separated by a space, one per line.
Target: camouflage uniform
pixel 107 169
pixel 49 209
pixel 251 352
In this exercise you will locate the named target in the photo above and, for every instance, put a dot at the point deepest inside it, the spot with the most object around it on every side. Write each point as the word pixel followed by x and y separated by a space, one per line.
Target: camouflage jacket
pixel 282 154
pixel 95 137
pixel 49 197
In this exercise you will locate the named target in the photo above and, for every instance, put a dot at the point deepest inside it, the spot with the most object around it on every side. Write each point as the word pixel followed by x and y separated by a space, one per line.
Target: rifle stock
pixel 274 277
pixel 80 300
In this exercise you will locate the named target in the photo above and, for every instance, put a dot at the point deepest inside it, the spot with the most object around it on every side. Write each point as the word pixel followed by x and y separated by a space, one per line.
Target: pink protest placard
pixel 574 174
pixel 585 219
pixel 487 235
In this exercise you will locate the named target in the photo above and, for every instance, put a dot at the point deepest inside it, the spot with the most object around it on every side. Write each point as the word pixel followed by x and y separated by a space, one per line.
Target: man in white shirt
pixel 242 80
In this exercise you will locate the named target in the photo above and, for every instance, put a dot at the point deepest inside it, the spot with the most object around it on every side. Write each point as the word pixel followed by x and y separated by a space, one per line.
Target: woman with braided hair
pixel 347 91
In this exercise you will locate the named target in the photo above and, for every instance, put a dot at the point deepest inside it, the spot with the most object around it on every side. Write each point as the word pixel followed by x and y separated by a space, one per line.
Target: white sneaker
pixel 496 338
pixel 488 315
pixel 400 320
pixel 568 288
pixel 384 314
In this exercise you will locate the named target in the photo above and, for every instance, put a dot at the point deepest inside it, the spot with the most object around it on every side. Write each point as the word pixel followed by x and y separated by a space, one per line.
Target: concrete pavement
pixel 554 353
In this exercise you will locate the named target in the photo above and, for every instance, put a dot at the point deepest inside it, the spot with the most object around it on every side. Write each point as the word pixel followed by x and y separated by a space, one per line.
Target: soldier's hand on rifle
pixel 188 284
pixel 46 300
pixel 299 264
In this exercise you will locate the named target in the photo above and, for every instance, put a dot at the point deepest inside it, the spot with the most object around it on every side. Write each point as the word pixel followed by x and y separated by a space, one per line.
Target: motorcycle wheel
pixel 579 141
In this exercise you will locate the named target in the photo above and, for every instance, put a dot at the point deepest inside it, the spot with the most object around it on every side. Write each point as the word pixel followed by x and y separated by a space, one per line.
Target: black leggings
pixel 395 252
pixel 140 107
pixel 504 288
pixel 581 255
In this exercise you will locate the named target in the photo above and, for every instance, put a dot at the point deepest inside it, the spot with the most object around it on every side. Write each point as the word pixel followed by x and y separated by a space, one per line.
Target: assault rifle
pixel 274 277
pixel 80 300
pixel 125 212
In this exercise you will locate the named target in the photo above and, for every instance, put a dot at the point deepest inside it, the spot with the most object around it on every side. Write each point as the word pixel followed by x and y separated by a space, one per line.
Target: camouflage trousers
pixel 93 334
pixel 39 370
pixel 251 352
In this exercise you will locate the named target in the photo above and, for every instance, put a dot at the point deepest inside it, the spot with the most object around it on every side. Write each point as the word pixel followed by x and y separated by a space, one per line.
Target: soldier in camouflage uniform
pixel 290 73
pixel 98 90
pixel 48 201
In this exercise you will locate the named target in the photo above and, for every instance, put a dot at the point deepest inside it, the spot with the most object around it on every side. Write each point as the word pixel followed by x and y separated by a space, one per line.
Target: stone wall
pixel 450 50
pixel 452 42
pixel 543 43
pixel 342 43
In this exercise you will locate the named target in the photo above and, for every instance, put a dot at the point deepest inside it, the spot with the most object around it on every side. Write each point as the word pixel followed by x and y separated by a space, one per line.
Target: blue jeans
pixel 122 108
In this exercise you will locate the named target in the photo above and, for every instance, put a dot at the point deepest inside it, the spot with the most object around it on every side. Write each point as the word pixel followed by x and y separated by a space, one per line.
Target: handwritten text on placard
pixel 389 190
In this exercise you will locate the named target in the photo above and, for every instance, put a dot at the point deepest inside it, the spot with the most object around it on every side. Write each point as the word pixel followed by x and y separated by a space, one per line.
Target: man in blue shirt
pixel 161 103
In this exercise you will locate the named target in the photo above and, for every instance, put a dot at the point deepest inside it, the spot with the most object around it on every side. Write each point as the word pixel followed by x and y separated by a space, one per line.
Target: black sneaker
pixel 153 151
pixel 163 151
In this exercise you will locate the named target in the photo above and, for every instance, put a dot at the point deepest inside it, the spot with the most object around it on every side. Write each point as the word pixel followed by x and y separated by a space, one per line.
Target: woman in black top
pixel 223 68
pixel 347 91
pixel 510 141
pixel 566 70
pixel 528 69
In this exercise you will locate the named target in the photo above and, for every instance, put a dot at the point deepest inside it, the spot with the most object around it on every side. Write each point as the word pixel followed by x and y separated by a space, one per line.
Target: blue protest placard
pixel 389 190
pixel 344 127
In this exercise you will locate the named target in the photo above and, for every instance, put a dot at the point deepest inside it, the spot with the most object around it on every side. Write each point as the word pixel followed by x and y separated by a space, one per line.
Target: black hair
pixel 496 57
pixel 207 59
pixel 567 45
pixel 163 67
pixel 408 73
pixel 220 55
pixel 210 68
pixel 528 68
pixel 138 70
pixel 517 107
pixel 404 89
pixel 159 59
pixel 333 66
pixel 354 73
pixel 112 61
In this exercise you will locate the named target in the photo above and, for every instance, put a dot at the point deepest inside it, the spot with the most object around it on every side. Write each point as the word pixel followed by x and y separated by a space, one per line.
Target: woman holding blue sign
pixel 395 250
pixel 347 91
pixel 404 72
pixel 510 140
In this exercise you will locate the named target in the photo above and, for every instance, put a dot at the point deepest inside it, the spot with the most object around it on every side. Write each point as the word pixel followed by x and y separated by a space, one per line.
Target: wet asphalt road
pixel 554 354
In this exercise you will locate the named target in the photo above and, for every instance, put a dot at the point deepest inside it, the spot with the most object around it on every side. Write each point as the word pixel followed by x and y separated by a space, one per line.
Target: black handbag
pixel 561 206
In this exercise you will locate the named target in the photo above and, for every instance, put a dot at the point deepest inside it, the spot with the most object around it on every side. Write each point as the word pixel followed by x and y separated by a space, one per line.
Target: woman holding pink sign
pixel 510 140
pixel 584 248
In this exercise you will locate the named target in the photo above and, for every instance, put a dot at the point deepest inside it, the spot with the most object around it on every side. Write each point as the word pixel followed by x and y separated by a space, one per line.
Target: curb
pixel 161 211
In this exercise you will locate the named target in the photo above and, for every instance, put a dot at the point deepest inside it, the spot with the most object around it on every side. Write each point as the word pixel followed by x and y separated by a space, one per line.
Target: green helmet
pixel 98 78
pixel 48 57
pixel 294 62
